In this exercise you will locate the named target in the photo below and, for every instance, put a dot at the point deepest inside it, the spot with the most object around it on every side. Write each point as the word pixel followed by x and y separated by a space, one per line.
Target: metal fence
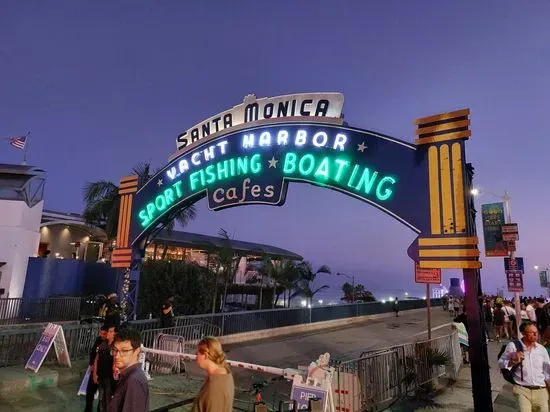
pixel 16 345
pixel 254 320
pixel 58 309
pixel 191 334
pixel 379 378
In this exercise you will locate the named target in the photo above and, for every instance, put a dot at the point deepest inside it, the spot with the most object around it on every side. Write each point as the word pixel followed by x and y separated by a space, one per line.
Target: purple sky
pixel 104 85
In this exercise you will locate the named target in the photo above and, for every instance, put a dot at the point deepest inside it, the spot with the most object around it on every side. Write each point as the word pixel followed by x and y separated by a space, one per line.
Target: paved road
pixel 342 343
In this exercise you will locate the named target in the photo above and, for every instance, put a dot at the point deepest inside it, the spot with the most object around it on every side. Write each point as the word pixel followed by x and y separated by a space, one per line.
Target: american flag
pixel 18 142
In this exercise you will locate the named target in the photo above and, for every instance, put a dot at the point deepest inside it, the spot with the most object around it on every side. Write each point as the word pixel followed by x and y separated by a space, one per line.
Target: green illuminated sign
pixel 255 166
pixel 336 170
pixel 325 169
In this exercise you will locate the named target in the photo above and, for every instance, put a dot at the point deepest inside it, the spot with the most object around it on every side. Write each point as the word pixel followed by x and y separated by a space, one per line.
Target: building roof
pixel 51 218
pixel 22 182
pixel 198 241
pixel 182 239
pixel 51 215
pixel 19 169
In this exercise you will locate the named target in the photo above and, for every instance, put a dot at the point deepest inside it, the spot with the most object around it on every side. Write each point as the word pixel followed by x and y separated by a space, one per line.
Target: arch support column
pixel 124 257
pixel 451 241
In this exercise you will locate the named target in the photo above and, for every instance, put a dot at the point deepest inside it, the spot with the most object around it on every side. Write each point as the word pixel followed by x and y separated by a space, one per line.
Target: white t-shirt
pixel 508 311
pixel 531 313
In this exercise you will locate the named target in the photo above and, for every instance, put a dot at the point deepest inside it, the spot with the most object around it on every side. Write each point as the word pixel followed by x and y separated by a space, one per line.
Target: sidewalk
pixel 457 396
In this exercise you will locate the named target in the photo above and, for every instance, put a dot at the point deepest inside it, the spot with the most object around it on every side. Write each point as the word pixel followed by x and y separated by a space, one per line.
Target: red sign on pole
pixel 515 280
pixel 427 275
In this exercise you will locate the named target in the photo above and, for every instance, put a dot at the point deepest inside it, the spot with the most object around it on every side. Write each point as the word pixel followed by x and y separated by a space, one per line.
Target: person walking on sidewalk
pixel 488 315
pixel 396 307
pixel 498 322
pixel 132 392
pixel 218 392
pixel 531 369
pixel 103 369
pixel 92 387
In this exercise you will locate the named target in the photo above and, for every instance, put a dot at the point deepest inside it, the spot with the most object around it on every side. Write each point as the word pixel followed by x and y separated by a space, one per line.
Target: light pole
pixel 352 277
pixel 512 254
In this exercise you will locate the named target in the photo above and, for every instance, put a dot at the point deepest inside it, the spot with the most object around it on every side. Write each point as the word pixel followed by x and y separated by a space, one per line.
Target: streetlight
pixel 352 277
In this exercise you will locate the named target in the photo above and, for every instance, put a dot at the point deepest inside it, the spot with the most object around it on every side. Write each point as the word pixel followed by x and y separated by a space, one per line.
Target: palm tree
pixel 228 259
pixel 103 204
pixel 306 279
pixel 283 273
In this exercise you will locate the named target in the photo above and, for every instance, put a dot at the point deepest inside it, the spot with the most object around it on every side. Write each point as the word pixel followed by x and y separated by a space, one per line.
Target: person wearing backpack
pixel 528 369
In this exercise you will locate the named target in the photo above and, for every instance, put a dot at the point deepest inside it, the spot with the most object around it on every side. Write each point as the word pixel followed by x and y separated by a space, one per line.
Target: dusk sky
pixel 103 85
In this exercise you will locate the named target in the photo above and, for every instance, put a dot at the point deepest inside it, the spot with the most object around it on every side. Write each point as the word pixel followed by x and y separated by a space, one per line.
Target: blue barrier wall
pixel 66 277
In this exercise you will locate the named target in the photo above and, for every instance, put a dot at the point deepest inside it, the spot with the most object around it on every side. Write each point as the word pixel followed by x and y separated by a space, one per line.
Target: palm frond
pixel 143 171
pixel 324 269
pixel 319 289
pixel 94 191
pixel 186 215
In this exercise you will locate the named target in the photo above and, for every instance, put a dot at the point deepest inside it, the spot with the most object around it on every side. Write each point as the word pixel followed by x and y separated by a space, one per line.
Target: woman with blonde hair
pixel 218 390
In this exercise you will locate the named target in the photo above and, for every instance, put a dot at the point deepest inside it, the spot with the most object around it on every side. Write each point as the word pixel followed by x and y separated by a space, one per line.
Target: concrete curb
pixel 307 327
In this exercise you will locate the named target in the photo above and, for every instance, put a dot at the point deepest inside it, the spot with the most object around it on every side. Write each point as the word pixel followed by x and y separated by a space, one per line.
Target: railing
pixel 192 334
pixel 379 378
pixel 254 320
pixel 19 310
pixel 16 345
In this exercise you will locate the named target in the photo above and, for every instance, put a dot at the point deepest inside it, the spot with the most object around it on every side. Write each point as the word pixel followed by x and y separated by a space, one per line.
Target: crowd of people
pixel 525 360
pixel 499 314
pixel 117 375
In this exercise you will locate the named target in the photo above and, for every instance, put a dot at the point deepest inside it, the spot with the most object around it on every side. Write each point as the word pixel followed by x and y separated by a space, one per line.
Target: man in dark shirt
pixel 167 313
pixel 541 315
pixel 91 389
pixel 111 311
pixel 103 370
pixel 132 393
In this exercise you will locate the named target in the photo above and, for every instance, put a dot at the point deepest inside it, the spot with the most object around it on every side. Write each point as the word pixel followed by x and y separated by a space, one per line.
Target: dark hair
pixel 129 334
pixel 525 324
pixel 107 326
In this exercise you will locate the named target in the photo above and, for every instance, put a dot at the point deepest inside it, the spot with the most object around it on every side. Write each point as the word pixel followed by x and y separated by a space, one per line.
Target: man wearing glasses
pixel 532 369
pixel 132 393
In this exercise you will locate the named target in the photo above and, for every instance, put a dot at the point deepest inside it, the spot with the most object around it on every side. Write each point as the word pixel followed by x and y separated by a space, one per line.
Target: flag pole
pixel 26 146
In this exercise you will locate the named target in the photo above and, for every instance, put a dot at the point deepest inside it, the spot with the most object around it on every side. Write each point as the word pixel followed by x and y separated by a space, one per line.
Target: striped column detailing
pixel 450 252
pixel 447 245
pixel 122 255
pixel 443 127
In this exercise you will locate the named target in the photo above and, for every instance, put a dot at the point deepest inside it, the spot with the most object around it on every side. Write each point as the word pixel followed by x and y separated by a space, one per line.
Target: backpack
pixel 511 316
pixel 508 374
